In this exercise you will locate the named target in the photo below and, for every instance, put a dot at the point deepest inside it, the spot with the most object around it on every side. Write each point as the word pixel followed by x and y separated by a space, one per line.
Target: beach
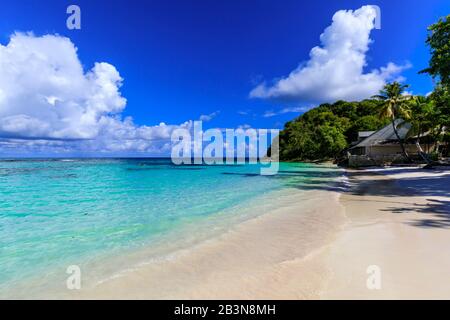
pixel 219 150
pixel 396 219
pixel 311 232
pixel 262 258
pixel 146 228
pixel 399 221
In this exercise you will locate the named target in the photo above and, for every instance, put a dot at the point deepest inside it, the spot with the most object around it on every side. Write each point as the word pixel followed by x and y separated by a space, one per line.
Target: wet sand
pixel 268 257
pixel 397 220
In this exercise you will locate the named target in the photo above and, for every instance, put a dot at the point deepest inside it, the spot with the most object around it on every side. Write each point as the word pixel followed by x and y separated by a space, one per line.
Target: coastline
pixel 285 218
pixel 314 244
pixel 271 256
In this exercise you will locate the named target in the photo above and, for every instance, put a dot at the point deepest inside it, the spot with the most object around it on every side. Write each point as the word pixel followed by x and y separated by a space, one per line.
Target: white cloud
pixel 272 113
pixel 209 117
pixel 47 101
pixel 335 69
pixel 244 126
pixel 407 93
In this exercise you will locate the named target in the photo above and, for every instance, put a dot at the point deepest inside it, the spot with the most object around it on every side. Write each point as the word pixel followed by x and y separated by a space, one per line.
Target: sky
pixel 137 70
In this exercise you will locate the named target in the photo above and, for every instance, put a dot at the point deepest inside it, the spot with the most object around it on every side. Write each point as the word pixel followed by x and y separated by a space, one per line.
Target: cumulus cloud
pixel 335 69
pixel 48 101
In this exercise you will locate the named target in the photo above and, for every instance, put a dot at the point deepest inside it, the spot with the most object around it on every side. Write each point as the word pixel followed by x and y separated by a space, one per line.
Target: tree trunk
pixel 405 154
pixel 421 153
pixel 419 147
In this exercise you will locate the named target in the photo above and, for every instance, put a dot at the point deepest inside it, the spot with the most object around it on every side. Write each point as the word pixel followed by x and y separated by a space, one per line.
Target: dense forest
pixel 326 131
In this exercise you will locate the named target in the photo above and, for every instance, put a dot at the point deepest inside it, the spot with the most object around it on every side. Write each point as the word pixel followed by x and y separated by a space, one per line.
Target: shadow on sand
pixel 436 213
pixel 367 183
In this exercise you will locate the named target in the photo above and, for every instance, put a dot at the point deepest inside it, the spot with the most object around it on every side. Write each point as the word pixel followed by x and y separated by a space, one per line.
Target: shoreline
pixel 382 221
pixel 293 211
pixel 271 256
pixel 313 244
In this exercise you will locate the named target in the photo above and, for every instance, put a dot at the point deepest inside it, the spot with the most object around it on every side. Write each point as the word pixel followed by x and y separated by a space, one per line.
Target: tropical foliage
pixel 439 42
pixel 324 132
pixel 327 130
pixel 395 106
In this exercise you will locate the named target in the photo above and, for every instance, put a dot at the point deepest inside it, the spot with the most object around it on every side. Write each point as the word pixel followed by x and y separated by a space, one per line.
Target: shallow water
pixel 54 213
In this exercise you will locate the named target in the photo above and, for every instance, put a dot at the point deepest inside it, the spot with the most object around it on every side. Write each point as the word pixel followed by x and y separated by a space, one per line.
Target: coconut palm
pixel 395 107
pixel 422 120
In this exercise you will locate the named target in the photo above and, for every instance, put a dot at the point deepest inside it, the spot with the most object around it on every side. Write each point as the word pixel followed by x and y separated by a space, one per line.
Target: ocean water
pixel 55 213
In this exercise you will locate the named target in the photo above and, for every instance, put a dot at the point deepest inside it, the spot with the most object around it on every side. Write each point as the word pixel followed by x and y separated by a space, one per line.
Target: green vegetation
pixel 324 132
pixel 395 106
pixel 439 42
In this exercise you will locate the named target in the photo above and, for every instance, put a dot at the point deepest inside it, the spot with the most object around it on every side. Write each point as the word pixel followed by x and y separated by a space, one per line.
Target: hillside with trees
pixel 325 132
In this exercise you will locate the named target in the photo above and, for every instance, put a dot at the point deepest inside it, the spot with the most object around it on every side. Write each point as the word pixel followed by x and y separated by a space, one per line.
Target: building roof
pixel 386 134
pixel 365 134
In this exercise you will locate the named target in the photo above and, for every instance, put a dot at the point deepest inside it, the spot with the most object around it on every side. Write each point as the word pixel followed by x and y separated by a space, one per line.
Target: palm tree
pixel 422 120
pixel 395 107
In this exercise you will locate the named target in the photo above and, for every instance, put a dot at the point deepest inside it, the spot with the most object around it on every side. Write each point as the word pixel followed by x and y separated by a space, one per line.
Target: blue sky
pixel 183 59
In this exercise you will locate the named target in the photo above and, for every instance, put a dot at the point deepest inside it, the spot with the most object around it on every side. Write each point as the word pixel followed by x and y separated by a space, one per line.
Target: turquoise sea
pixel 54 213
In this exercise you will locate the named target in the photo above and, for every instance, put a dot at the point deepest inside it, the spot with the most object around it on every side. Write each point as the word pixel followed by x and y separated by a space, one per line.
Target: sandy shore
pixel 397 220
pixel 268 257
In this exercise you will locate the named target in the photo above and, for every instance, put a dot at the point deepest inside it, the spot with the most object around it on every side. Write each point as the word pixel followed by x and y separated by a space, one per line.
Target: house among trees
pixel 383 147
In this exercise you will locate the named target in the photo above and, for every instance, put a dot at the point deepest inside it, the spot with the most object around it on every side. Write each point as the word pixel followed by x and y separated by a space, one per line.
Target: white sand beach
pixel 258 259
pixel 397 219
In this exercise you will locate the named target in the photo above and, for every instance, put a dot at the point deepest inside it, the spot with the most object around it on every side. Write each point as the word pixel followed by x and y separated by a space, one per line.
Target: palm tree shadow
pixel 425 186
pixel 437 213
